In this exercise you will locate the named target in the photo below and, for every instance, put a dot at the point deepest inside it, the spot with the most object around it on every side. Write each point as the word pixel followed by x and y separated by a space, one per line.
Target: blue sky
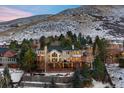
pixel 10 12
pixel 43 9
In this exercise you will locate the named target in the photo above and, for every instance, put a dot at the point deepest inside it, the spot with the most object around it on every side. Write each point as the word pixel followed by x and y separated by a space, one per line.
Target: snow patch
pixel 15 74
pixel 116 74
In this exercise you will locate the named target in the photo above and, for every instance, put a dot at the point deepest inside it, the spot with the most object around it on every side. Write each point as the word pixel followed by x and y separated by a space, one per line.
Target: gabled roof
pixel 7 52
pixel 10 53
pixel 59 48
pixel 55 47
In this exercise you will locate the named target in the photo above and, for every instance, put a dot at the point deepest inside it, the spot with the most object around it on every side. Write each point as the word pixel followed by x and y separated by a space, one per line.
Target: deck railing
pixel 6 60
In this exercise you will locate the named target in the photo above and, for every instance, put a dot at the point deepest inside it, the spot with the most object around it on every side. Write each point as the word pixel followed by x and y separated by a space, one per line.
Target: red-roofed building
pixel 7 57
pixel 9 53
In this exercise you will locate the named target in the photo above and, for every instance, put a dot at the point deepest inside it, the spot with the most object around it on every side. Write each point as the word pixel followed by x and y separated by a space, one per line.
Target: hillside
pixel 105 21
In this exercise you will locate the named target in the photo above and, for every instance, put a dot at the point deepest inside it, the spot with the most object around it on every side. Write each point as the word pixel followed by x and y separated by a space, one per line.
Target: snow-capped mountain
pixel 105 21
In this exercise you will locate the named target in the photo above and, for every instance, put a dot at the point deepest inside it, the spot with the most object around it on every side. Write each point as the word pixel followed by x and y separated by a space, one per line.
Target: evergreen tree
pixel 53 84
pixel 14 45
pixel 61 37
pixel 89 40
pixel 69 34
pixel 7 78
pixel 86 76
pixel 83 41
pixel 76 80
pixel 79 37
pixel 98 69
pixel 74 38
pixel 100 48
pixel 42 42
pixel 2 82
pixel 29 60
pixel 26 57
pixel 66 43
pixel 24 47
pixel 85 72
pixel 95 46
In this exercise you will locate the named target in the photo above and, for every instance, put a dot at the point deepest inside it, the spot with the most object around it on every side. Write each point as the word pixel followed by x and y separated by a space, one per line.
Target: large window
pixel 54 59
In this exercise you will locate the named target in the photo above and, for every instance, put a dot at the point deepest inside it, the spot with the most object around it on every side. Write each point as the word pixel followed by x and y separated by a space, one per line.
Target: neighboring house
pixel 114 49
pixel 57 57
pixel 7 56
pixel 36 44
pixel 4 45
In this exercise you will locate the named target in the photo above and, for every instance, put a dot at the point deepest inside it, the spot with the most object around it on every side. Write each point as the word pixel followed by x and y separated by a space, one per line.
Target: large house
pixel 114 48
pixel 58 58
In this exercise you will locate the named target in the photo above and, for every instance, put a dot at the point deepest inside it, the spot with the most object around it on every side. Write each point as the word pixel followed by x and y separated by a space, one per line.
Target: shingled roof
pixel 59 48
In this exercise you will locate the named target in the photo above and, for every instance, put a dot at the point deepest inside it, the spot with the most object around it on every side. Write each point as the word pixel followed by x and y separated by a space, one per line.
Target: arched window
pixel 54 54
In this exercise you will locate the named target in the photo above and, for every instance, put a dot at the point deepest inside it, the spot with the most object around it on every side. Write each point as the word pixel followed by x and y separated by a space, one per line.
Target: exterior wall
pixel 40 55
pixel 40 58
pixel 116 47
pixel 65 55
pixel 72 55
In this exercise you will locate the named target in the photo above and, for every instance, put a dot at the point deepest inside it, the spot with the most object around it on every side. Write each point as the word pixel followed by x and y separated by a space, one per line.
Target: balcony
pixel 5 60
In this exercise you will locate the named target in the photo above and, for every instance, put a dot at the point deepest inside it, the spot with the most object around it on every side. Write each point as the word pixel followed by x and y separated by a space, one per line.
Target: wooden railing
pixel 6 60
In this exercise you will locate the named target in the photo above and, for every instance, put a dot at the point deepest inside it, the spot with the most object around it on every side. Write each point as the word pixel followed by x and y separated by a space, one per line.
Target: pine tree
pixel 83 41
pixel 7 78
pixel 85 72
pixel 42 42
pixel 29 59
pixel 76 80
pixel 69 34
pixel 53 84
pixel 86 76
pixel 98 69
pixel 14 45
pixel 100 48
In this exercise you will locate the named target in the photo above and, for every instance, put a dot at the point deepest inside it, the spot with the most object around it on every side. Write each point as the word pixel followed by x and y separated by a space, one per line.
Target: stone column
pixel 63 65
pixel 71 64
pixel 80 64
pixel 54 65
pixel 45 50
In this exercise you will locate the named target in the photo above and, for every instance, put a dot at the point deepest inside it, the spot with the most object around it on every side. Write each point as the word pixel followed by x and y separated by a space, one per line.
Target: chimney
pixel 72 47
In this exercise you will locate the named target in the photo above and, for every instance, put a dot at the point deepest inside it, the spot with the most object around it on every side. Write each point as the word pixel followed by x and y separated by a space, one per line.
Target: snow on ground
pixel 64 74
pixel 98 84
pixel 68 74
pixel 116 74
pixel 15 74
pixel 33 82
